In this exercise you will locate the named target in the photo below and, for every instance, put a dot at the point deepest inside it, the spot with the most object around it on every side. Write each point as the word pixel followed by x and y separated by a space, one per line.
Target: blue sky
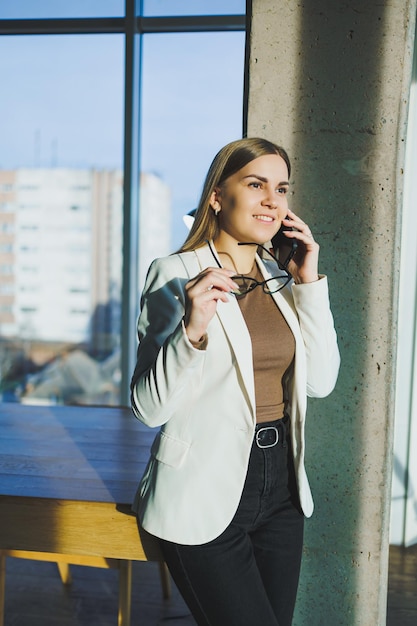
pixel 62 90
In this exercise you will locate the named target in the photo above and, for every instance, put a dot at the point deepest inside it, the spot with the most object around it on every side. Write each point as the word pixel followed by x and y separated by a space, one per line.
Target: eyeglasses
pixel 247 283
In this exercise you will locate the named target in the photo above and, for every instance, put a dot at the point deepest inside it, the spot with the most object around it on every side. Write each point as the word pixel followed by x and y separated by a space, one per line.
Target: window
pixel 111 125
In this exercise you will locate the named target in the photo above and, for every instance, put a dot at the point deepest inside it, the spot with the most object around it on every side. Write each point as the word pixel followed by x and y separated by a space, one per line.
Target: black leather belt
pixel 269 434
pixel 267 437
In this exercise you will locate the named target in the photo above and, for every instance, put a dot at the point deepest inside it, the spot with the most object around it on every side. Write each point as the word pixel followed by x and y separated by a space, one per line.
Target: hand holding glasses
pixel 247 283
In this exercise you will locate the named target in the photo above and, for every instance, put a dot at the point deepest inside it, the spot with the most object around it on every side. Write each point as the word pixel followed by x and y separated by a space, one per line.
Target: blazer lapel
pixel 234 326
pixel 282 302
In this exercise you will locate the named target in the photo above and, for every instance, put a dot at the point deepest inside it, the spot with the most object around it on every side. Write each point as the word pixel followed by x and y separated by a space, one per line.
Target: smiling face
pixel 252 203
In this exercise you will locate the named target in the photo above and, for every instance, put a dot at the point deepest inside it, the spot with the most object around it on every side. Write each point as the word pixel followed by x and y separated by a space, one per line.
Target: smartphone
pixel 284 248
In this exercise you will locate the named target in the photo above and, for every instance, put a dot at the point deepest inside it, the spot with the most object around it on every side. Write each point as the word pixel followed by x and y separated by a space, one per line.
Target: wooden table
pixel 67 479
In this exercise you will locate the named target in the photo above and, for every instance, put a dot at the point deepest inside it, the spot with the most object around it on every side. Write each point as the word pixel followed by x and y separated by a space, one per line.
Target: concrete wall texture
pixel 329 80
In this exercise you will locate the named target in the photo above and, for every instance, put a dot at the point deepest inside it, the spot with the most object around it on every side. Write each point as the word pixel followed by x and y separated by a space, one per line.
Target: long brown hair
pixel 227 162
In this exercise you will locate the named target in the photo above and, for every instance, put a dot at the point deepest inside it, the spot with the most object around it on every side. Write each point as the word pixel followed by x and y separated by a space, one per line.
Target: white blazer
pixel 204 400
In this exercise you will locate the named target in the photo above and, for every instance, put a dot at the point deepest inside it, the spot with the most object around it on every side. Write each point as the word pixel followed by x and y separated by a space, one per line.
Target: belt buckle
pixel 269 445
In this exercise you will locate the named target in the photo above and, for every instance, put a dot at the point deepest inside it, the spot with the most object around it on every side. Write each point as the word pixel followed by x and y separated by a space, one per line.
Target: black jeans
pixel 248 576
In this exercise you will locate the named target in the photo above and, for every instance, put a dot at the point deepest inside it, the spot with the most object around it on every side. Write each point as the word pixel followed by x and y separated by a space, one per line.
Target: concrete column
pixel 329 80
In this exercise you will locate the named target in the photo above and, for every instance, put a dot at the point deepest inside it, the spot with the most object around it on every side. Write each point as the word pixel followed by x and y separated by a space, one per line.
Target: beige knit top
pixel 273 348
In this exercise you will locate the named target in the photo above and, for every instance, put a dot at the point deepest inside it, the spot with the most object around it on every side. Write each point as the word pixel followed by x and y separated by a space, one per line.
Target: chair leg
pixel 125 592
pixel 165 580
pixel 2 586
pixel 65 573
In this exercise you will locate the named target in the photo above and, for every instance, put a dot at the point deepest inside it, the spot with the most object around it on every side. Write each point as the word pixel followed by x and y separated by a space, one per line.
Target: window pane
pixel 189 111
pixel 193 7
pixel 36 9
pixel 61 217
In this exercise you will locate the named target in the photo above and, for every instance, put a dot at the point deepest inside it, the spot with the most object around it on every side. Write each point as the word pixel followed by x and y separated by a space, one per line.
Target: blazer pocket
pixel 169 450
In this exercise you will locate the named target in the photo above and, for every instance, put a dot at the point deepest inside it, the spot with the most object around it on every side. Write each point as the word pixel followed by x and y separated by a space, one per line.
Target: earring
pixel 216 212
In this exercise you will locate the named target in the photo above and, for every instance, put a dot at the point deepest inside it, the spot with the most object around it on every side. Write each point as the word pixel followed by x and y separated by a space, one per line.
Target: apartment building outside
pixel 61 259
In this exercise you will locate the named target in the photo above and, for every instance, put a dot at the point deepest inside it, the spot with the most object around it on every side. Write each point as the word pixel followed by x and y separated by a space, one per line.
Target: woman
pixel 230 345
